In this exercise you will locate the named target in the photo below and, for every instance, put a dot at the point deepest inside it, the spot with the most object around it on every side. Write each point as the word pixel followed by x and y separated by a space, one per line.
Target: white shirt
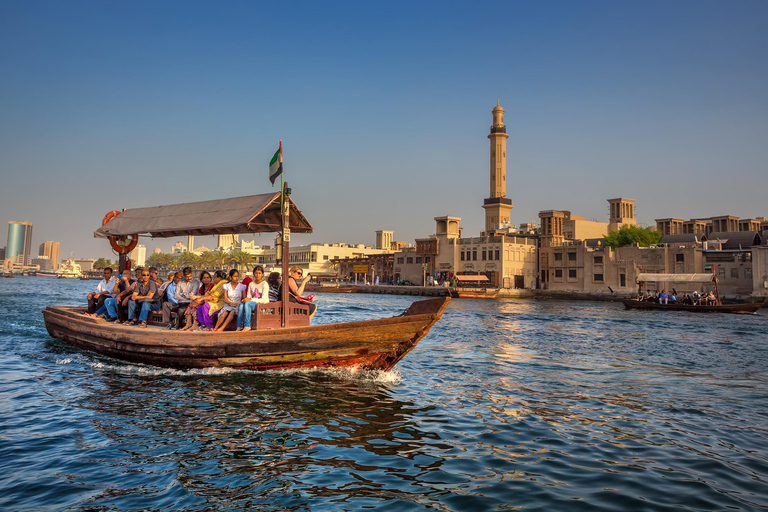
pixel 258 293
pixel 106 286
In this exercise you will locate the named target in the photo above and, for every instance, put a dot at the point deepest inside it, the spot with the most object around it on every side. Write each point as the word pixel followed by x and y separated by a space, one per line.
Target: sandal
pixel 143 324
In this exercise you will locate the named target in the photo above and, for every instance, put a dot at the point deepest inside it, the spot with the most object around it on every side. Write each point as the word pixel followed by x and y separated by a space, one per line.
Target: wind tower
pixel 498 205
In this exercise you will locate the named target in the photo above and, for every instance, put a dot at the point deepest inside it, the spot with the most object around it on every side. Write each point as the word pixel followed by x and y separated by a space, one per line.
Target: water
pixel 504 405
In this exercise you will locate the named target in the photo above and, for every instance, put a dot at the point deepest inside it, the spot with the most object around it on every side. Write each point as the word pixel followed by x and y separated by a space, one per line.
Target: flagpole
pixel 282 190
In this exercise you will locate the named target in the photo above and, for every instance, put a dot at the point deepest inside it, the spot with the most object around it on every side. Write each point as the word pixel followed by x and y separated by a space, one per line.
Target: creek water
pixel 505 404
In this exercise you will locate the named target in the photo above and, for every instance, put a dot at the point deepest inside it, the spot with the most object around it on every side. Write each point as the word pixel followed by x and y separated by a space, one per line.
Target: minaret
pixel 497 206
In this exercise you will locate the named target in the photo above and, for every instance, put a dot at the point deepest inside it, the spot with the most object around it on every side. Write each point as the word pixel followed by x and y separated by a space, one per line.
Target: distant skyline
pixel 383 109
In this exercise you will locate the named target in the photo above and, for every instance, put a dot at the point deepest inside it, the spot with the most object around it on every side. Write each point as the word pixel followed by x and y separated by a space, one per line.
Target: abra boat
pixel 473 287
pixel 689 282
pixel 281 337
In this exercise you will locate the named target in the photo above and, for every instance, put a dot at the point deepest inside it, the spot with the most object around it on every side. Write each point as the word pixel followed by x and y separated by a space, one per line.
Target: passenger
pixel 711 299
pixel 185 288
pixel 274 280
pixel 696 298
pixel 171 304
pixel 153 276
pixel 109 310
pixel 233 295
pixel 146 297
pixel 663 297
pixel 103 292
pixel 245 282
pixel 162 286
pixel 196 300
pixel 257 292
pixel 672 298
pixel 296 289
pixel 687 299
pixel 212 301
pixel 124 296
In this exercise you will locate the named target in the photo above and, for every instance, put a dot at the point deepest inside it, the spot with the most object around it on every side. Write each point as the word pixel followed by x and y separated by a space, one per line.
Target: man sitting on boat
pixel 185 285
pixel 103 291
pixel 170 303
pixel 146 297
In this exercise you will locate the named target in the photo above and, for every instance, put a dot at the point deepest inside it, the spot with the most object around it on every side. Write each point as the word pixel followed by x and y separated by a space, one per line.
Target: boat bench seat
pixel 267 316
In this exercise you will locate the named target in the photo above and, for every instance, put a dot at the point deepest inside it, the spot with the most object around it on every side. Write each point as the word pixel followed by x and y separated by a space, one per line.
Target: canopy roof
pixel 481 278
pixel 675 278
pixel 248 214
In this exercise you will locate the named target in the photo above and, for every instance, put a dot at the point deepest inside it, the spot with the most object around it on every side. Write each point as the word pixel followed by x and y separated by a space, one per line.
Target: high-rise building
pixel 191 243
pixel 138 256
pixel 51 251
pixel 19 246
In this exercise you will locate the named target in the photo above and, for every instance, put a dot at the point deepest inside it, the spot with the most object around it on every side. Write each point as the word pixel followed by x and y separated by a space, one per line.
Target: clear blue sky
pixel 383 108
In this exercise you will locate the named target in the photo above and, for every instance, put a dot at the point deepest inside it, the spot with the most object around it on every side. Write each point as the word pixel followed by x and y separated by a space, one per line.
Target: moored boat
pixel 473 287
pixel 69 270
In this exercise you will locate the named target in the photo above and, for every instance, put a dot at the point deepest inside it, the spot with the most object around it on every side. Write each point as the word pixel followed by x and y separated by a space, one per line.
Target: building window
pixel 748 273
pixel 418 259
pixel 484 254
pixel 571 256
pixel 559 273
pixel 313 256
pixel 426 259
pixel 598 260
pixel 598 278
pixel 623 280
pixel 571 273
pixel 409 259
pixel 558 256
pixel 735 273
pixel 679 258
pixel 325 257
pixel 400 261
pixel 474 254
pixel 462 255
pixel 497 255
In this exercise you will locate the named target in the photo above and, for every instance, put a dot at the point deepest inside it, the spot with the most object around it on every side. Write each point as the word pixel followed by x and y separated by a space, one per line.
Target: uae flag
pixel 276 164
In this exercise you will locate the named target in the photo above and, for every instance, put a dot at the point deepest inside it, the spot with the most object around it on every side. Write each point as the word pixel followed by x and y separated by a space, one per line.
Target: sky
pixel 384 110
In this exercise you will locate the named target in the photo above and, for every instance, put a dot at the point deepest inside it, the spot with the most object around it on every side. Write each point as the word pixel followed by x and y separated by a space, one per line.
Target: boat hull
pixel 751 307
pixel 373 344
pixel 473 294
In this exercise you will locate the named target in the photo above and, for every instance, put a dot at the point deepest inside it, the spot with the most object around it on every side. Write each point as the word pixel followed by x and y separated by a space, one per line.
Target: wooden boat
pixel 473 287
pixel 750 307
pixel 372 344
pixel 281 337
pixel 687 280
pixel 332 289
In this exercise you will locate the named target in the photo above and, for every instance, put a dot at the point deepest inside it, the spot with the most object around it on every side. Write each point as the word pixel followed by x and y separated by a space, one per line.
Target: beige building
pixel 50 250
pixel 315 258
pixel 384 239
pixel 505 254
pixel 138 256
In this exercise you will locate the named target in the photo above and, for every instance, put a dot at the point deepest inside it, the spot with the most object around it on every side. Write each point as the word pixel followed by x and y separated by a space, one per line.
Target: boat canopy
pixel 476 279
pixel 248 214
pixel 675 278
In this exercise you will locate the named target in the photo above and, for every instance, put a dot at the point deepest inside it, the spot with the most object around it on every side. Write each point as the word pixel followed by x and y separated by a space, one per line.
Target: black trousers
pixel 95 304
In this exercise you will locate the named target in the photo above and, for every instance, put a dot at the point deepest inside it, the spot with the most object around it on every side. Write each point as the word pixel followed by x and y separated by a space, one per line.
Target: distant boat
pixel 689 280
pixel 473 287
pixel 69 270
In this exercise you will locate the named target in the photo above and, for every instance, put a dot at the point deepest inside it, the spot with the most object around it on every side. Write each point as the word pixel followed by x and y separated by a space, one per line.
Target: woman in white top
pixel 257 293
pixel 232 293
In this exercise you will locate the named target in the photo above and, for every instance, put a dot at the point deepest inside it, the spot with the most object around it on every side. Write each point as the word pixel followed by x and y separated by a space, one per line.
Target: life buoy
pixel 120 244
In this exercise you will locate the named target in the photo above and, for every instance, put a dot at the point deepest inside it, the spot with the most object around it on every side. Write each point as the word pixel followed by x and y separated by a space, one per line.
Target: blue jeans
pixel 109 309
pixel 146 307
pixel 244 311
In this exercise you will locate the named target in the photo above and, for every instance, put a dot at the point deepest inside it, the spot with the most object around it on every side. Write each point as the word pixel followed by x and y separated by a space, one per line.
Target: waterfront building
pixel 505 254
pixel 191 243
pixel 86 264
pixel 43 263
pixel 227 242
pixel 138 256
pixel 50 250
pixel 178 248
pixel 19 247
pixel 384 239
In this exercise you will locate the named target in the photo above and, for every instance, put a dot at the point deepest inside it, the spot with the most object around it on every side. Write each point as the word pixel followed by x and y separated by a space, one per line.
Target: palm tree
pixel 207 260
pixel 189 259
pixel 220 259
pixel 241 259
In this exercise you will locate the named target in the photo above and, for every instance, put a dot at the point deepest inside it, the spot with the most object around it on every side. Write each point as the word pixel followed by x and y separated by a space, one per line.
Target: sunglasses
pixel 144 275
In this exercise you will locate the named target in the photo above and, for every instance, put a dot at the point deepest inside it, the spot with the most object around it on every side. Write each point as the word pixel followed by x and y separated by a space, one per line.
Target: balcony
pixel 498 129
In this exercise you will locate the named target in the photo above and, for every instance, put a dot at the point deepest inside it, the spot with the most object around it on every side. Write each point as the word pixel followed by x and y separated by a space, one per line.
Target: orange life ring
pixel 120 244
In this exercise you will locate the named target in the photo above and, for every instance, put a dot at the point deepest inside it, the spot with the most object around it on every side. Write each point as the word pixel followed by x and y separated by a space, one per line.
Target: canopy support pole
pixel 286 241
